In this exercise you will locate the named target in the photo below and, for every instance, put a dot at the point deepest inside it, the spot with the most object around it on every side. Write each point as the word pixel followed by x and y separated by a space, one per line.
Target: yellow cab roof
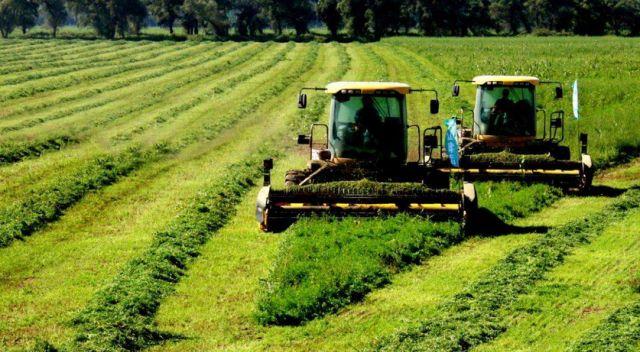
pixel 368 87
pixel 505 80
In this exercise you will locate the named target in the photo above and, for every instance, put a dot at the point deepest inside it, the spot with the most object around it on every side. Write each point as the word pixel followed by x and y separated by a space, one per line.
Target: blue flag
pixel 451 141
pixel 576 101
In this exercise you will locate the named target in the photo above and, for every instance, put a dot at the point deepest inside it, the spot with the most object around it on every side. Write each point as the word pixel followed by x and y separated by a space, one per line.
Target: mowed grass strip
pixel 88 56
pixel 474 316
pixel 221 89
pixel 113 56
pixel 47 202
pixel 180 56
pixel 28 89
pixel 121 316
pixel 17 151
pixel 33 211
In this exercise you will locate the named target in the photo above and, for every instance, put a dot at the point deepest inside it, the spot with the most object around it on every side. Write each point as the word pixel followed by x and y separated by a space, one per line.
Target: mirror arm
pixel 422 90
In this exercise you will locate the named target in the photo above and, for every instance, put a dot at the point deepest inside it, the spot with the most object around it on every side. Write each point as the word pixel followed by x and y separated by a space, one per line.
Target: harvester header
pixel 361 162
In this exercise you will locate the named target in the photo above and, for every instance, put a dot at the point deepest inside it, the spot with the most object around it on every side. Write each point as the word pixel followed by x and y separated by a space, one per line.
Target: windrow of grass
pixel 14 152
pixel 33 206
pixel 79 59
pixel 619 332
pixel 113 57
pixel 47 202
pixel 121 316
pixel 475 315
pixel 51 50
pixel 180 57
pixel 326 264
pixel 219 90
pixel 28 89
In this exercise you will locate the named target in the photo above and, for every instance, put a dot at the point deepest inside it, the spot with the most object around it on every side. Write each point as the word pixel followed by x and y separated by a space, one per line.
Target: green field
pixel 129 171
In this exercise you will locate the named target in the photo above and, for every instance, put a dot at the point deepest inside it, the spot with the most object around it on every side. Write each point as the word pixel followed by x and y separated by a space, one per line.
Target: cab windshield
pixel 369 127
pixel 507 111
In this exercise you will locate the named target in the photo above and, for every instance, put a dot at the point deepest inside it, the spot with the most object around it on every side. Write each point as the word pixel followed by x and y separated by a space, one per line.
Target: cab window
pixel 507 110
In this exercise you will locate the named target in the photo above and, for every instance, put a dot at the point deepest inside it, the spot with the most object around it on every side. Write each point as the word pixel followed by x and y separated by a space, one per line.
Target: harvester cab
pixel 510 137
pixel 359 162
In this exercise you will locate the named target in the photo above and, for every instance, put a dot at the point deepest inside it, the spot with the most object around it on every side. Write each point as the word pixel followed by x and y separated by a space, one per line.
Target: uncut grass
pixel 39 208
pixel 314 277
pixel 234 146
pixel 473 316
pixel 181 56
pixel 608 88
pixel 577 297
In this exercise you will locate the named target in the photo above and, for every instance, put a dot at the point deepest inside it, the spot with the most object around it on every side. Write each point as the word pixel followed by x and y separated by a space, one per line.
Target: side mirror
pixel 302 101
pixel 456 90
pixel 430 141
pixel 267 164
pixel 559 93
pixel 304 139
pixel 584 142
pixel 435 106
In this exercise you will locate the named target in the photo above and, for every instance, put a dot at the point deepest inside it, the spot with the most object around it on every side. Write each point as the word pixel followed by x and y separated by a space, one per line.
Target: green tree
pixel 111 17
pixel 248 19
pixel 56 14
pixel 295 13
pixel 557 15
pixel 592 17
pixel 26 12
pixel 510 16
pixel 625 16
pixel 353 15
pixel 328 13
pixel 7 17
pixel 211 13
pixel 166 11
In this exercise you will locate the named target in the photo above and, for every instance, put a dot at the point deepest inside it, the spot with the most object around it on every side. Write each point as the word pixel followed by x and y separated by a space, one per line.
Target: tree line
pixel 359 19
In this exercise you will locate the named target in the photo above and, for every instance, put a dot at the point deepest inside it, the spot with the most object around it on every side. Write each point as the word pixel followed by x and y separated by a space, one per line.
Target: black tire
pixel 294 177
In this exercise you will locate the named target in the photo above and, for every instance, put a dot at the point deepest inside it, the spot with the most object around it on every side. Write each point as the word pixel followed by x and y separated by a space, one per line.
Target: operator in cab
pixel 501 114
pixel 368 122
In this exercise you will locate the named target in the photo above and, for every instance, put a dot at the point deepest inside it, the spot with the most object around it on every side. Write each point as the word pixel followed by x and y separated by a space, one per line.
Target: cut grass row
pixel 619 332
pixel 132 211
pixel 47 202
pixel 82 57
pixel 180 57
pixel 49 50
pixel 114 56
pixel 109 332
pixel 28 89
pixel 224 87
pixel 122 316
pixel 29 171
pixel 53 205
pixel 473 316
pixel 30 148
